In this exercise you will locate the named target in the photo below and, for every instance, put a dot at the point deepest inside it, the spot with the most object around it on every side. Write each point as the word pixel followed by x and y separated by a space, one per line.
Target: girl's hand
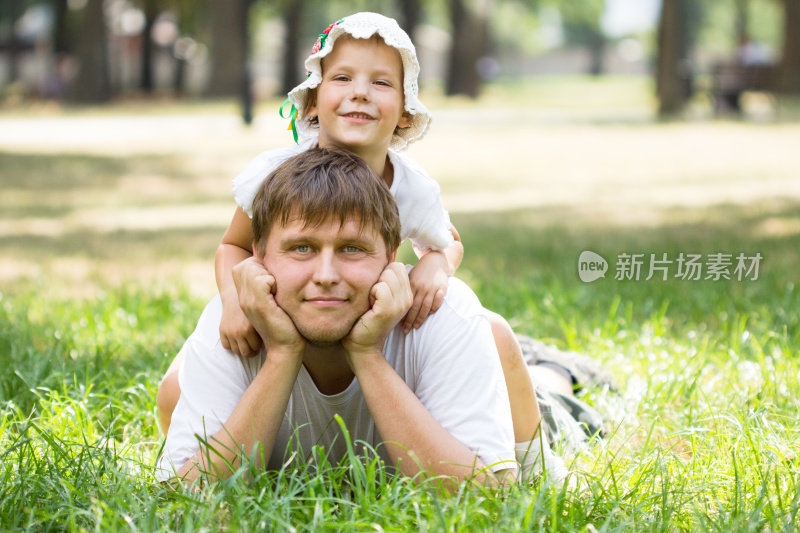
pixel 429 285
pixel 236 332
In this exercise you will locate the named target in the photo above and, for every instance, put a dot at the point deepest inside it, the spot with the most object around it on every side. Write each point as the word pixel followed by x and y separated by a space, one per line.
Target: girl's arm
pixel 454 253
pixel 236 332
pixel 429 280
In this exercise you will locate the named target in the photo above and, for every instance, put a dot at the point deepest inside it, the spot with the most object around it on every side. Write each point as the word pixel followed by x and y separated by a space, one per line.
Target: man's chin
pixel 324 337
pixel 321 343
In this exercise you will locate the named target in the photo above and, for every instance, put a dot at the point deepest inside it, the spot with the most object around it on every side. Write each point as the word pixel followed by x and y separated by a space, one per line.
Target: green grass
pixel 704 427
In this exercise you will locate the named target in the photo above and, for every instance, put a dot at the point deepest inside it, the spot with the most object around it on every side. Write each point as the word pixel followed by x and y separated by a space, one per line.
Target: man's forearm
pixel 414 440
pixel 255 419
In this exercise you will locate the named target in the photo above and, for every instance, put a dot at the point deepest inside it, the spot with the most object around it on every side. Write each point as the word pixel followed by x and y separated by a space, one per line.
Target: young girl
pixel 361 95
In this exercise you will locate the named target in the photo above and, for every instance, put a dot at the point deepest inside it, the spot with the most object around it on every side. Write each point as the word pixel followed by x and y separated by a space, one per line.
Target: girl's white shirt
pixel 423 218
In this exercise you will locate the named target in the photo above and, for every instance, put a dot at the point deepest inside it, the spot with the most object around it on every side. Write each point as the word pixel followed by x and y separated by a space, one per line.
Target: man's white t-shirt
pixel 423 219
pixel 450 363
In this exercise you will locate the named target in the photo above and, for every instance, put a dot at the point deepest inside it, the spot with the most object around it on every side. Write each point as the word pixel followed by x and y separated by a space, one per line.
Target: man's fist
pixel 390 299
pixel 256 287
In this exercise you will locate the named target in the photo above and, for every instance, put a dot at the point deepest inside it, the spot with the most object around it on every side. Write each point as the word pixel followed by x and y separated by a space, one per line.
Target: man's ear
pixel 392 255
pixel 256 253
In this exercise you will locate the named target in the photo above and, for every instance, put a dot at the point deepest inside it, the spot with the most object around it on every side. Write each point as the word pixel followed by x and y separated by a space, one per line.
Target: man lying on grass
pixel 328 300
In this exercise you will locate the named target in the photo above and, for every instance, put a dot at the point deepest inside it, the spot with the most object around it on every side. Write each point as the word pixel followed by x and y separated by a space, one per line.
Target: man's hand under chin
pixel 390 300
pixel 256 287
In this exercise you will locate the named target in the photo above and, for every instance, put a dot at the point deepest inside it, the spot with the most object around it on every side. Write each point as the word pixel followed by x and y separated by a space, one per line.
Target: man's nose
pixel 326 271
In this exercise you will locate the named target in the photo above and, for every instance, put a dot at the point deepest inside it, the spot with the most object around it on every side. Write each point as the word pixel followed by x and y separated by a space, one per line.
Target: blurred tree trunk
pixel 246 77
pixel 742 24
pixel 12 11
pixel 411 14
pixel 146 82
pixel 93 83
pixel 789 69
pixel 470 35
pixel 597 49
pixel 179 76
pixel 582 24
pixel 229 37
pixel 180 55
pixel 673 80
pixel 61 38
pixel 292 71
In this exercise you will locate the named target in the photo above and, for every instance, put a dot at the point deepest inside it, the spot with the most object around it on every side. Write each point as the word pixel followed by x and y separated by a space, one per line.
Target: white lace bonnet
pixel 363 26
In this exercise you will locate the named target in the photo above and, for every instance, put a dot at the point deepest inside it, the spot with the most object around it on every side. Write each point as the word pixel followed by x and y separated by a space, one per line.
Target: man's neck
pixel 328 368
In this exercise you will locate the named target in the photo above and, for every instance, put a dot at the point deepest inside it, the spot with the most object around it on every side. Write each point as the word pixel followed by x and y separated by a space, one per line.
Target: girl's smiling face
pixel 359 102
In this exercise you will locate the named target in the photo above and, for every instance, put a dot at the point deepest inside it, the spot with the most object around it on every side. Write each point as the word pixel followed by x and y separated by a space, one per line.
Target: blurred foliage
pixel 717 23
pixel 517 28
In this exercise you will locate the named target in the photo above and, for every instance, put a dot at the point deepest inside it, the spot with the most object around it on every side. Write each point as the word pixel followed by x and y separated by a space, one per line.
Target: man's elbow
pixel 501 478
pixel 451 474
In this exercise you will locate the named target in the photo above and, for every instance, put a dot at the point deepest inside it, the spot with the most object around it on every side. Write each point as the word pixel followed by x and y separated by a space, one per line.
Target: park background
pixel 559 127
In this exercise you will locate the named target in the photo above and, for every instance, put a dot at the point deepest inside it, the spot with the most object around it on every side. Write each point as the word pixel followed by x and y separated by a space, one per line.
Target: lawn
pixel 108 225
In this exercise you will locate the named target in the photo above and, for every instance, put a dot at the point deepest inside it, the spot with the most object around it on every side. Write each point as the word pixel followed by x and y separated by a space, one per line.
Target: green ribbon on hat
pixel 293 115
pixel 319 45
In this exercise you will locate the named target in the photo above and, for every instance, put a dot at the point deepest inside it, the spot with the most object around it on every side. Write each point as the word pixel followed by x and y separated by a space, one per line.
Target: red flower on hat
pixel 323 37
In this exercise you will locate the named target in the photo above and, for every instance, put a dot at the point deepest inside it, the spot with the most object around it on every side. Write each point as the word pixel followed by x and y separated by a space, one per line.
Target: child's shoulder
pixel 408 175
pixel 403 163
pixel 248 181
pixel 274 157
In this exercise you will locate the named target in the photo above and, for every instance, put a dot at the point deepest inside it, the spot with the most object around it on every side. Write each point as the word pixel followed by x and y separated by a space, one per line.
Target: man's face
pixel 323 275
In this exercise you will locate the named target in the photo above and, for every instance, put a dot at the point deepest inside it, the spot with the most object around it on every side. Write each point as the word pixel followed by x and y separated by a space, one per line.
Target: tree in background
pixel 246 76
pixel 228 21
pixel 673 65
pixel 790 62
pixel 151 10
pixel 470 42
pixel 61 35
pixel 10 12
pixel 93 82
pixel 191 19
pixel 293 12
pixel 81 36
pixel 582 26
pixel 742 21
pixel 410 16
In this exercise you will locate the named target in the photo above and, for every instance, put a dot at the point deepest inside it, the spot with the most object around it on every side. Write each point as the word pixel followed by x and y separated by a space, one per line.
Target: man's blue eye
pixel 302 248
pixel 352 249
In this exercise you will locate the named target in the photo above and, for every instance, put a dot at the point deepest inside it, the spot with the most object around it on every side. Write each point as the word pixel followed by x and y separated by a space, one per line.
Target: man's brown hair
pixel 319 185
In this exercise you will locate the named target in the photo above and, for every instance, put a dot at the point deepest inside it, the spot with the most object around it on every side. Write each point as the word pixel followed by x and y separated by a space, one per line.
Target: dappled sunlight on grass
pixel 106 260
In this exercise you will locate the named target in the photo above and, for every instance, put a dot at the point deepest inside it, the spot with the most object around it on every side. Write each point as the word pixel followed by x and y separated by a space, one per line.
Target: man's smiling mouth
pixel 326 301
